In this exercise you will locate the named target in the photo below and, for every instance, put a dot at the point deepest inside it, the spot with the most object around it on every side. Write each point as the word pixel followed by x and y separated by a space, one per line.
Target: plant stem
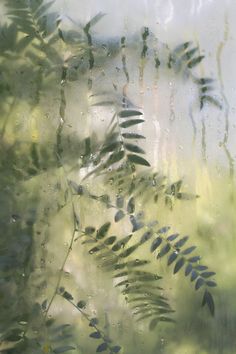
pixel 75 230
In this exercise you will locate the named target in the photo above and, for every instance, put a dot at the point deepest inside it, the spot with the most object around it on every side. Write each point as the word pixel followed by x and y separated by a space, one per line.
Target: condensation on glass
pixel 117 176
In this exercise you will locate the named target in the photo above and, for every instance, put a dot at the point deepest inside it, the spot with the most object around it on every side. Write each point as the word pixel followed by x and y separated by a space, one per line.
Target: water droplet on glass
pixel 15 217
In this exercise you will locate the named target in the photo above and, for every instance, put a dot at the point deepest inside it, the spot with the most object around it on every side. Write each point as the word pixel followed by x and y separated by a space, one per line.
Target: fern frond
pixel 31 17
pixel 98 334
pixel 183 57
pixel 111 253
pixel 206 87
pixel 29 337
pixel 180 258
pixel 117 150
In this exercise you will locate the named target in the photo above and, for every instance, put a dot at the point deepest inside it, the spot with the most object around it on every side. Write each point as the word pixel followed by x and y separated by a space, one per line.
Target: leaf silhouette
pixel 130 123
pixel 138 160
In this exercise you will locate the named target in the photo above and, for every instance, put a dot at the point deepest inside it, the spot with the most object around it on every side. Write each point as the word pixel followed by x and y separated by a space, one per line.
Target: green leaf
pixel 131 264
pixel 126 282
pixel 63 349
pixel 172 258
pixel 211 100
pixel 102 347
pixel 61 290
pixel 95 335
pixel 206 89
pixel 128 251
pixel 89 230
pixel 163 230
pixel 104 103
pixel 188 269
pixel 195 61
pixel 131 122
pixel 188 250
pixel 194 259
pixel 186 196
pixel 174 188
pixel 166 319
pixel 137 225
pixel 137 160
pixel 43 9
pixel 134 148
pixel 171 60
pixel 146 236
pixel 208 300
pixel 157 63
pixel 67 296
pixel 155 244
pixel 164 251
pixel 189 54
pixel 201 267
pixel 204 81
pixel 103 230
pixel 207 274
pixel 110 240
pixel 119 215
pixel 179 264
pixel 152 223
pixel 111 147
pixel 122 274
pixel 158 300
pixel 88 241
pixel 136 289
pixel 194 275
pixel 129 113
pixel 144 276
pixel 172 237
pixel 211 283
pixel 119 201
pixel 182 47
pixel 131 206
pixel 81 304
pixel 200 282
pixel 115 157
pixel 153 323
pixel 181 242
pixel 121 243
pixel 96 249
pixel 133 136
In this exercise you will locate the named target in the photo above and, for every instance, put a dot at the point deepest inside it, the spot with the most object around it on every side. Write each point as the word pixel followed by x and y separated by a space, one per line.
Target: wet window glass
pixel 117 183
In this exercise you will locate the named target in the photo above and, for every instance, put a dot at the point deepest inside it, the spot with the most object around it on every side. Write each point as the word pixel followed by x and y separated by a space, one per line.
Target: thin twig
pixel 75 230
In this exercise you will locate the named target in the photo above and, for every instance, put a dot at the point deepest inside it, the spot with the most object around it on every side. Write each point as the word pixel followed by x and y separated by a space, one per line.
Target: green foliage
pixel 110 255
pixel 184 58
pixel 106 342
pixel 32 40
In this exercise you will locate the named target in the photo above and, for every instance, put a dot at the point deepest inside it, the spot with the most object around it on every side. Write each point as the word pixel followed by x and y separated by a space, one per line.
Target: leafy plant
pixel 33 40
pixel 185 58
